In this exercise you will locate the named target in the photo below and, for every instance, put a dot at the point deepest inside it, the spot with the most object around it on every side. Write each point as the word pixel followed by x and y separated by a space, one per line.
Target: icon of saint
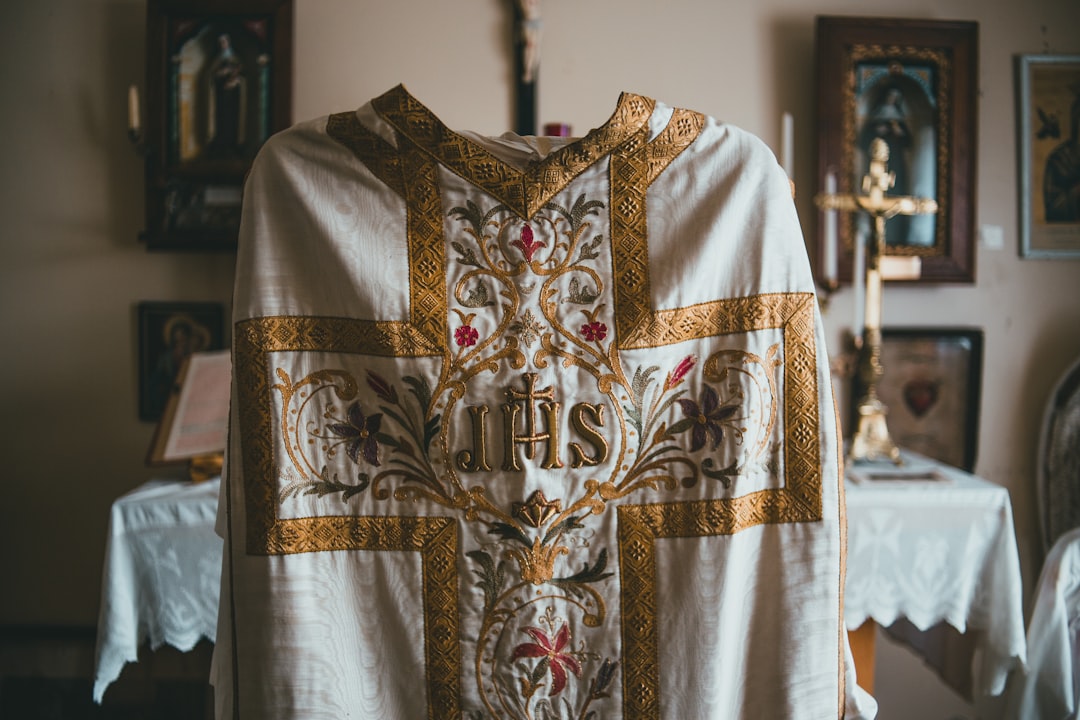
pixel 226 102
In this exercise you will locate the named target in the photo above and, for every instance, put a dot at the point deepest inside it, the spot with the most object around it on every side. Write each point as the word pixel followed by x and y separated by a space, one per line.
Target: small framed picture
pixel 1048 123
pixel 169 332
pixel 913 84
pixel 931 385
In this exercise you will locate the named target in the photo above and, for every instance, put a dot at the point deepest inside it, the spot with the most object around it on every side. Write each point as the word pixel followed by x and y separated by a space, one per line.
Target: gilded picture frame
pixel 913 83
pixel 1048 140
pixel 932 385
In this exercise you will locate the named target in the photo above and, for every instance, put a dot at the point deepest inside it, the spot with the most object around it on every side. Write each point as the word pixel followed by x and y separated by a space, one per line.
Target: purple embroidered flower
pixel 526 244
pixel 676 376
pixel 466 336
pixel 360 432
pixel 707 416
pixel 594 331
pixel 551 650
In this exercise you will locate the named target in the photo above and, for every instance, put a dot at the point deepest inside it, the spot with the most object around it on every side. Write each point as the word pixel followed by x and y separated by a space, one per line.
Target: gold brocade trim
pixel 793 314
pixel 333 334
pixel 639 526
pixel 436 539
pixel 427 248
pixel 841 656
pixel 424 227
pixel 798 501
pixel 634 167
pixel 257 337
pixel 380 157
pixel 524 192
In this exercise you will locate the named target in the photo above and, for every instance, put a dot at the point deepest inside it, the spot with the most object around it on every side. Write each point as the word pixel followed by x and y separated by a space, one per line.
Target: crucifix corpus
pixel 871 442
pixel 528 27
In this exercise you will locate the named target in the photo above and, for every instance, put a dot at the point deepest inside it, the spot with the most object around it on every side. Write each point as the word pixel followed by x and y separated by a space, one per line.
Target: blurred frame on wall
pixel 1048 126
pixel 914 84
pixel 218 84
pixel 932 386
pixel 169 333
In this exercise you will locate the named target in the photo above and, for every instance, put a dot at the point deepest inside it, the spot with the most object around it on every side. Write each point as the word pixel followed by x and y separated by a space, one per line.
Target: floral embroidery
pixel 527 328
pixel 361 434
pixel 526 244
pixel 580 293
pixel 477 297
pixel 417 425
pixel 551 651
pixel 594 331
pixel 676 376
pixel 466 336
pixel 707 417
pixel 326 485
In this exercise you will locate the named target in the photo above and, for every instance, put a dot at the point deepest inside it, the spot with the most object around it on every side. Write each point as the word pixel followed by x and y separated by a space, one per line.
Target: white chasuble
pixel 527 430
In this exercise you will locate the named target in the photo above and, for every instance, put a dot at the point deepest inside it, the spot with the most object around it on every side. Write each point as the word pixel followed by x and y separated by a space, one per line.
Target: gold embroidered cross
pixel 531 436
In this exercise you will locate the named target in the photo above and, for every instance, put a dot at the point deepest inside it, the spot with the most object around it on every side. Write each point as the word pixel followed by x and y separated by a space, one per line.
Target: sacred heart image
pixel 920 395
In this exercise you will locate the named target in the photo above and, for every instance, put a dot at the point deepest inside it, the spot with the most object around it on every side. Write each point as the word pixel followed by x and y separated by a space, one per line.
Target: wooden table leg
pixel 862 651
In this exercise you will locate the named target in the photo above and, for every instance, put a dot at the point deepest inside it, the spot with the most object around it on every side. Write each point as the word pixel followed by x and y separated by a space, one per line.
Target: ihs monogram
pixel 527 401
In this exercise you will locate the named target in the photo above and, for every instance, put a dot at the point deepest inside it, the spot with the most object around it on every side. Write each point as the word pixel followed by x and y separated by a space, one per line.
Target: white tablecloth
pixel 937 560
pixel 162 574
pixel 928 553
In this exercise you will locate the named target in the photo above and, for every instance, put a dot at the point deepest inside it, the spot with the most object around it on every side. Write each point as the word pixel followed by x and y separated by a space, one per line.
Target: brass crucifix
pixel 871 441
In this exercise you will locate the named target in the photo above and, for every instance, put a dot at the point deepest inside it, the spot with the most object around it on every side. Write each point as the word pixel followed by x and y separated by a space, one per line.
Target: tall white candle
pixel 858 279
pixel 787 145
pixel 133 109
pixel 832 240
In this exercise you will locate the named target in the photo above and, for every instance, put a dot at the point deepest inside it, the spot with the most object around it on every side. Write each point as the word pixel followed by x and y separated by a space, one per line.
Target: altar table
pixel 937 561
pixel 162 576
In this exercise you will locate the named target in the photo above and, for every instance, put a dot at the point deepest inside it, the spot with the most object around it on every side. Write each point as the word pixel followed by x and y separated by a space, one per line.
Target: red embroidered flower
pixel 551 651
pixel 526 244
pixel 466 336
pixel 594 331
pixel 676 376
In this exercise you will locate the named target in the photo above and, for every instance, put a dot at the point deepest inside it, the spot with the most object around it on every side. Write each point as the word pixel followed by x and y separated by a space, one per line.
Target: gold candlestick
pixel 872 442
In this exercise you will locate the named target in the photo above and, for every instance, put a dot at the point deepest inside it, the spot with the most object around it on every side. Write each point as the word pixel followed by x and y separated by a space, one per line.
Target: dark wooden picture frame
pixel 1048 123
pixel 219 82
pixel 169 332
pixel 915 83
pixel 932 384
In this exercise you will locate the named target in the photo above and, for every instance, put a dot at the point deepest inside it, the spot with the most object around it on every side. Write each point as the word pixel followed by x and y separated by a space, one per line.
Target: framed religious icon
pixel 219 77
pixel 169 333
pixel 1048 114
pixel 913 84
pixel 932 385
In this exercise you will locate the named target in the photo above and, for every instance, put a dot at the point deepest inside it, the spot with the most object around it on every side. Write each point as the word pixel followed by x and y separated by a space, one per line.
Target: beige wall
pixel 71 207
